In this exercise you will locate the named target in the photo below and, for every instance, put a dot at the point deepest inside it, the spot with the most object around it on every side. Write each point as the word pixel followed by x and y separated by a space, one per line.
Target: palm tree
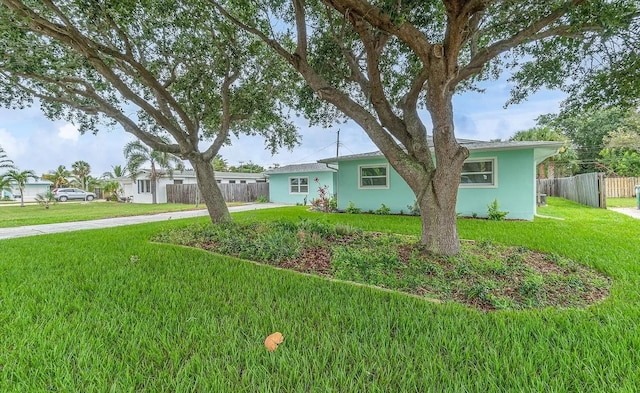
pixel 59 177
pixel 92 183
pixel 116 171
pixel 112 189
pixel 219 164
pixel 137 154
pixel 81 170
pixel 21 179
pixel 46 199
pixel 5 162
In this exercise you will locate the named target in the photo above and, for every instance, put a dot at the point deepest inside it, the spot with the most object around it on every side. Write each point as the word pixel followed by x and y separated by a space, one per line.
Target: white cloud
pixel 69 131
pixel 10 144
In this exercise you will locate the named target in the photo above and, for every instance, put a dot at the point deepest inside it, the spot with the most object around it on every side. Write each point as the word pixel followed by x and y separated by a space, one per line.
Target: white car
pixel 64 194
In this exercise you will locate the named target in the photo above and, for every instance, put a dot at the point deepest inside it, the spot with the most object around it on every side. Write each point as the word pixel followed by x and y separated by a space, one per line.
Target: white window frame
pixel 494 173
pixel 361 167
pixel 298 185
pixel 141 187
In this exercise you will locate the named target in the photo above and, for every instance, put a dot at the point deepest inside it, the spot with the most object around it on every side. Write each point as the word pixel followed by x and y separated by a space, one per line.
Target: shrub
pixel 46 199
pixel 383 210
pixel 352 209
pixel 494 213
pixel 347 230
pixel 323 203
pixel 414 210
pixel 262 199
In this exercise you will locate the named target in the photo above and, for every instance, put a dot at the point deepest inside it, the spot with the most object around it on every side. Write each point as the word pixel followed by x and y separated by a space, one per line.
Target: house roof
pixel 33 183
pixel 549 148
pixel 297 168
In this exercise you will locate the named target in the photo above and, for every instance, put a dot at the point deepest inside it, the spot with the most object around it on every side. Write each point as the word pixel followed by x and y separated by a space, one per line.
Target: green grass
pixel 622 202
pixel 107 310
pixel 14 216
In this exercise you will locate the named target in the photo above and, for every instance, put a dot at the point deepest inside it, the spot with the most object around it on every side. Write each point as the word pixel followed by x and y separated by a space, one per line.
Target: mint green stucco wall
pixel 515 188
pixel 279 186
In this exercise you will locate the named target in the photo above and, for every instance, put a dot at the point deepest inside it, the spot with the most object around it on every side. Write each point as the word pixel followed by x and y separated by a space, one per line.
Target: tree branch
pixel 406 32
pixel 102 106
pixel 531 33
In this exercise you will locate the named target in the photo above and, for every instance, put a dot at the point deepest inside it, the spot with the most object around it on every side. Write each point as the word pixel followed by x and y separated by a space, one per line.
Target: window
pixel 478 173
pixel 373 176
pixel 232 182
pixel 219 181
pixel 243 182
pixel 298 185
pixel 144 186
pixel 178 181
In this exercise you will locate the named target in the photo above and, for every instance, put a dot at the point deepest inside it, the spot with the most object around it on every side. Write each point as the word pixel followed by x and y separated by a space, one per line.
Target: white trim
pixel 146 181
pixel 494 173
pixel 299 185
pixel 361 167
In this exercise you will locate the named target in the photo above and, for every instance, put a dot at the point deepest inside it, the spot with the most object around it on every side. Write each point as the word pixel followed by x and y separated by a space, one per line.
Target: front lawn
pixel 15 216
pixel 107 310
pixel 622 202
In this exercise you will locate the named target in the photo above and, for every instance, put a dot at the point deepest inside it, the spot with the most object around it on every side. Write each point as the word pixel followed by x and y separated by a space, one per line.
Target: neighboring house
pixel 505 171
pixel 296 184
pixel 140 189
pixel 31 189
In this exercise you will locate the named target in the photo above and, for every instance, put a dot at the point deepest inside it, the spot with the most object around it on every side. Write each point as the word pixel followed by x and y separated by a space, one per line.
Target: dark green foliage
pixel 414 210
pixel 494 213
pixel 383 210
pixel 588 131
pixel 352 209
pixel 485 275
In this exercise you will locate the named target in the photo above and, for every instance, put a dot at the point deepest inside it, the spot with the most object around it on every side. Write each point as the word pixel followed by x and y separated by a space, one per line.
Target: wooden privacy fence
pixel 588 189
pixel 622 187
pixel 189 193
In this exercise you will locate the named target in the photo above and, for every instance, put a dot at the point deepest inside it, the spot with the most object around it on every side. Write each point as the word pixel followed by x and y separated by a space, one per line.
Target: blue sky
pixel 34 142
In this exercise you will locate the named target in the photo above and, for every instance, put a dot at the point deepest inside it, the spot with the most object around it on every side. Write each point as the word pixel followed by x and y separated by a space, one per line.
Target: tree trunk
pixel 154 189
pixel 438 215
pixel 541 171
pixel 439 197
pixel 209 190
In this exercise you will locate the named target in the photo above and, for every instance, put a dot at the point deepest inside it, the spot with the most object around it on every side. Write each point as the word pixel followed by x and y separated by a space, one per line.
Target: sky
pixel 34 142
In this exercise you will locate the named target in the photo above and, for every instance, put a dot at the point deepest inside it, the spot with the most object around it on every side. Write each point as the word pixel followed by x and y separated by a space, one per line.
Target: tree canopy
pixel 592 131
pixel 379 62
pixel 5 162
pixel 172 73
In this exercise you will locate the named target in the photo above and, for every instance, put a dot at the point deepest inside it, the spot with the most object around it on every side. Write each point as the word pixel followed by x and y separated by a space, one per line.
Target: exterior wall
pixel 279 191
pixel 30 191
pixel 131 189
pixel 397 196
pixel 514 189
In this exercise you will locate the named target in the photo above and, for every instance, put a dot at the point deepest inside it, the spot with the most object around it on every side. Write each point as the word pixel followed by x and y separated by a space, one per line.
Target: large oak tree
pixel 379 62
pixel 170 72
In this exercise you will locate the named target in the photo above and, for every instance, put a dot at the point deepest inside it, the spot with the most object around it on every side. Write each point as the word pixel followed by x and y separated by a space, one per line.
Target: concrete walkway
pixel 629 211
pixel 32 230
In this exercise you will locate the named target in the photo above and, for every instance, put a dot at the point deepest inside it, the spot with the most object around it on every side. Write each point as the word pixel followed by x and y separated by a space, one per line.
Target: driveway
pixel 629 211
pixel 32 230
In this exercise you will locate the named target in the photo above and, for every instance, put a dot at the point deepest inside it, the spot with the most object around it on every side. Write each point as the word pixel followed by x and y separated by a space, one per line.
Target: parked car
pixel 64 194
